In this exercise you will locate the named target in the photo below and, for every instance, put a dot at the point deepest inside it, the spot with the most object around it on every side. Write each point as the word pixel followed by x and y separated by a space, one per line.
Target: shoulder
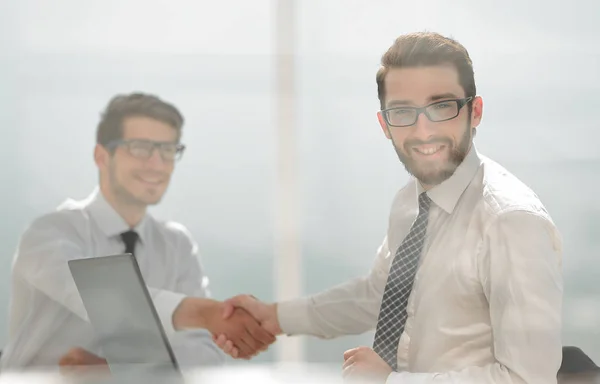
pixel 69 219
pixel 505 196
pixel 62 231
pixel 513 208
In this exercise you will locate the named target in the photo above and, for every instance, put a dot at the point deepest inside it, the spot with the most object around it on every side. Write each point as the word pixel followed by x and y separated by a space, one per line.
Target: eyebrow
pixel 432 98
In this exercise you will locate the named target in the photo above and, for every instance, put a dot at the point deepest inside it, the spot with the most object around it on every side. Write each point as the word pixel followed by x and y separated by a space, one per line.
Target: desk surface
pixel 235 374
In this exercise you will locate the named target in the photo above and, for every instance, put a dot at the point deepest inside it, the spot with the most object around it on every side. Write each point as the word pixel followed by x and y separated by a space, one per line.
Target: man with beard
pixel 138 142
pixel 467 285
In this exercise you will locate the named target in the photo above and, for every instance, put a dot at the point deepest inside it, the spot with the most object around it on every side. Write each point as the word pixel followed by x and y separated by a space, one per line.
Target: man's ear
pixel 383 125
pixel 101 156
pixel 477 111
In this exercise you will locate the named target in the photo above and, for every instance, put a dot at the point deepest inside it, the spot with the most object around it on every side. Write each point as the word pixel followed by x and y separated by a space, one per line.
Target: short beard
pixel 455 158
pixel 121 194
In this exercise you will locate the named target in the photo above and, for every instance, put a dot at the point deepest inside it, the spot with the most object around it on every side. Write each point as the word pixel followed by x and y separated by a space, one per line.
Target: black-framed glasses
pixel 143 149
pixel 435 112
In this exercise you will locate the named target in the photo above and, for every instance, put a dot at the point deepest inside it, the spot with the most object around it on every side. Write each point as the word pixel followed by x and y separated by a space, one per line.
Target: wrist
pixel 194 312
pixel 273 311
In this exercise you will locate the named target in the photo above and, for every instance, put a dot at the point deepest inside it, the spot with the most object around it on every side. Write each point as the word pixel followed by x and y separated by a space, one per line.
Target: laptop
pixel 122 313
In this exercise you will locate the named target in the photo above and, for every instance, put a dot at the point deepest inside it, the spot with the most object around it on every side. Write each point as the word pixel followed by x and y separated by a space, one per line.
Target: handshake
pixel 241 326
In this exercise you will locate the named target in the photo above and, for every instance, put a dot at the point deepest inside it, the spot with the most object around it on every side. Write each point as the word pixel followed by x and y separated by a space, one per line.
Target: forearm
pixel 346 309
pixel 166 304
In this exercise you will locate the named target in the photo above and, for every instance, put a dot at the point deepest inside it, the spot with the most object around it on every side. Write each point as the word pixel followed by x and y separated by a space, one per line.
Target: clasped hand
pixel 265 315
pixel 242 329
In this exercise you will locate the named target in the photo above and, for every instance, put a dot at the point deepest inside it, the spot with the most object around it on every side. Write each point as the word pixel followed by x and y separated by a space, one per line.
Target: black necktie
pixel 130 238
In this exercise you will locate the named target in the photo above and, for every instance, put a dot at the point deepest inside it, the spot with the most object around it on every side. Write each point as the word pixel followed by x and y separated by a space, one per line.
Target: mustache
pixel 437 140
pixel 151 174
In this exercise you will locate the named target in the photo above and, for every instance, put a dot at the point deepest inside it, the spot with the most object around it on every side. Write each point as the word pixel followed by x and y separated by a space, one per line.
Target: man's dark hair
pixel 426 49
pixel 137 104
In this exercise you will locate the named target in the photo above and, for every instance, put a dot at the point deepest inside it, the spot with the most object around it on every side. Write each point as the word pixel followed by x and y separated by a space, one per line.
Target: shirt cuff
pixel 166 302
pixel 293 316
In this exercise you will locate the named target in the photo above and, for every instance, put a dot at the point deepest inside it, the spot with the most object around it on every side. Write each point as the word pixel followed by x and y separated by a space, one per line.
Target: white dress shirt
pixel 486 301
pixel 46 314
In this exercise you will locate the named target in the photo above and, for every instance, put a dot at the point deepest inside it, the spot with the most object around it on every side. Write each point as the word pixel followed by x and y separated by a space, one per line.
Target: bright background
pixel 536 66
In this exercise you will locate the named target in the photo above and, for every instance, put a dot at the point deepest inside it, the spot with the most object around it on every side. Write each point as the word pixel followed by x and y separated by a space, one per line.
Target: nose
pixel 155 160
pixel 422 129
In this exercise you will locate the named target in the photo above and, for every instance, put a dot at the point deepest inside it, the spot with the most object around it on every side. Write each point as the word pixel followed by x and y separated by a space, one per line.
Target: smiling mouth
pixel 429 149
pixel 151 181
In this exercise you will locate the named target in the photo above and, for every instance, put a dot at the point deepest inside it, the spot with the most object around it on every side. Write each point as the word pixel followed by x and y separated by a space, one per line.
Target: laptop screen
pixel 121 311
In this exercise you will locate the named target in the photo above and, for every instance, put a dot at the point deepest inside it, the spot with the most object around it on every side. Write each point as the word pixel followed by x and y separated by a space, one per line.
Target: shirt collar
pixel 446 194
pixel 109 221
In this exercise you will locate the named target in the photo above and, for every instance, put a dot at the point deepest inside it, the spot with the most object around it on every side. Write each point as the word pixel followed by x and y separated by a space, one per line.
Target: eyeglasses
pixel 435 112
pixel 143 149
